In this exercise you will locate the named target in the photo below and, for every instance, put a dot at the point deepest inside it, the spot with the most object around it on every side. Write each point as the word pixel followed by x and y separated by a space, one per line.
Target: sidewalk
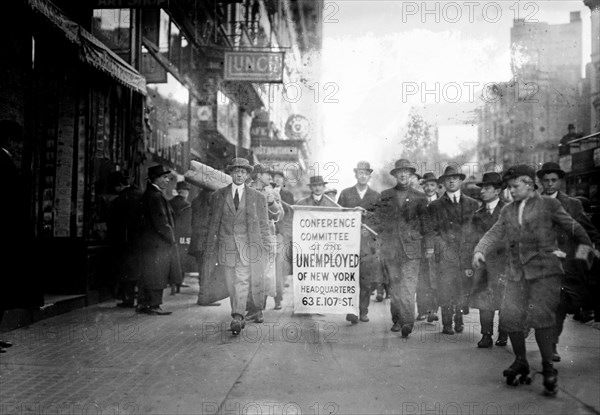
pixel 107 360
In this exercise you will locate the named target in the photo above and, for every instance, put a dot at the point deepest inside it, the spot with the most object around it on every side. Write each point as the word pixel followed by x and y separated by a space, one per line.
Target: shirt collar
pixel 492 205
pixel 317 197
pixel 553 195
pixel 240 188
pixel 156 186
pixel 362 192
pixel 452 194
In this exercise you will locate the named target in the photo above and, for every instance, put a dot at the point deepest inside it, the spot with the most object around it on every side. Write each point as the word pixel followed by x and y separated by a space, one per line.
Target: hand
pixel 429 253
pixel 270 198
pixel 478 260
pixel 364 232
pixel 469 273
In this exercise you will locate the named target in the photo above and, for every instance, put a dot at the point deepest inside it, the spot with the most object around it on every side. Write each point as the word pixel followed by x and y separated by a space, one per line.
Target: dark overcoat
pixel 124 233
pixel 217 251
pixel 369 261
pixel 160 258
pixel 489 280
pixel 453 245
pixel 182 214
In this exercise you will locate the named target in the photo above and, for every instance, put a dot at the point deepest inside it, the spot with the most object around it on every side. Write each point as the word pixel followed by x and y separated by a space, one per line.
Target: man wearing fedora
pixel 361 195
pixel 451 218
pixel 238 239
pixel 317 195
pixel 527 228
pixel 160 261
pixel 489 280
pixel 427 303
pixel 401 219
pixel 574 288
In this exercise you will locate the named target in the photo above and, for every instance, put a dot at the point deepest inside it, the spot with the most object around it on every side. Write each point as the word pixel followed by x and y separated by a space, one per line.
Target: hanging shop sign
pixel 297 127
pixel 254 66
pixel 276 152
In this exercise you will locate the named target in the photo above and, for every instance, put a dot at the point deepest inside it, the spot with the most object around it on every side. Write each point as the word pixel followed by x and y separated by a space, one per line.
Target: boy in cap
pixel 532 295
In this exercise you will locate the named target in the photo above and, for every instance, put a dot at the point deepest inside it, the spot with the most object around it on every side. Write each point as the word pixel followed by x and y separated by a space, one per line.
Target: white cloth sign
pixel 326 259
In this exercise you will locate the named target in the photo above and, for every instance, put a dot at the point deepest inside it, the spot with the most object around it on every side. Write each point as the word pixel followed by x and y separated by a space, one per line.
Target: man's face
pixel 519 190
pixel 362 176
pixel 183 193
pixel 452 183
pixel 489 193
pixel 278 179
pixel 239 175
pixel 429 188
pixel 403 177
pixel 265 178
pixel 551 183
pixel 317 189
pixel 162 181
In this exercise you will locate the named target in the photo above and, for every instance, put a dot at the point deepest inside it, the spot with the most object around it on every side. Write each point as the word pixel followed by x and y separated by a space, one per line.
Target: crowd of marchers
pixel 522 250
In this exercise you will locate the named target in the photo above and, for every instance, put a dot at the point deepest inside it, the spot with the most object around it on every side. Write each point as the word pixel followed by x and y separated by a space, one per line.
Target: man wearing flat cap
pixel 361 195
pixel 526 227
pixel 490 279
pixel 317 195
pixel 451 219
pixel 574 289
pixel 160 260
pixel 401 219
pixel 238 239
pixel 182 213
pixel 427 303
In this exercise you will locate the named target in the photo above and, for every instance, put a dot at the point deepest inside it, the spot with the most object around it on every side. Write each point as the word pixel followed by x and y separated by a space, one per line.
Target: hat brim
pixel 411 169
pixel 540 174
pixel 462 176
pixel 230 167
pixel 369 170
pixel 318 183
pixel 495 184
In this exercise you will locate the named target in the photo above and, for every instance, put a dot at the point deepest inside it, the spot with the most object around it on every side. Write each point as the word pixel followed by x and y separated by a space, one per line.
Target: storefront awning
pixel 92 50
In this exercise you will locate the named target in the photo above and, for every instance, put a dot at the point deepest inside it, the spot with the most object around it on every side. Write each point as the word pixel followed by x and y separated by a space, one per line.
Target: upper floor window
pixel 113 28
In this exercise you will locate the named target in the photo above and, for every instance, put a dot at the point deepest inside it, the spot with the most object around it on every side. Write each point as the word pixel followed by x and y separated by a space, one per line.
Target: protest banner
pixel 326 258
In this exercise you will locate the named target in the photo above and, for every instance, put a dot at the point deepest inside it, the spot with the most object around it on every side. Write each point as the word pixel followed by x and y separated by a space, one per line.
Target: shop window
pixel 113 28
pixel 164 29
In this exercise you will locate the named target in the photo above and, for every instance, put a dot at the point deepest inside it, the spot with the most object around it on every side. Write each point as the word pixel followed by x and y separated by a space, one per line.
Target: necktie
pixel 489 210
pixel 455 199
pixel 236 199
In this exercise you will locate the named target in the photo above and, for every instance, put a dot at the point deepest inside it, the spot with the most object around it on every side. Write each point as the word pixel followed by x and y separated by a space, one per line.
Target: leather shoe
pixel 406 330
pixel 352 318
pixel 502 339
pixel 379 298
pixel 277 305
pixel 555 355
pixel 236 327
pixel 431 317
pixel 459 328
pixel 396 327
pixel 364 318
pixel 465 310
pixel 215 304
pixel 2 350
pixel 5 344
pixel 486 341
pixel 258 318
pixel 447 330
pixel 156 311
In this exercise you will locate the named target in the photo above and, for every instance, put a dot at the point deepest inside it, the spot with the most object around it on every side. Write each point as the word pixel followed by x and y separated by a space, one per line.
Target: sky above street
pixel 382 56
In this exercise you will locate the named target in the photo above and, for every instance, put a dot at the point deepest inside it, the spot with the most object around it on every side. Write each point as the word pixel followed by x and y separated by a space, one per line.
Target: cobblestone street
pixel 107 360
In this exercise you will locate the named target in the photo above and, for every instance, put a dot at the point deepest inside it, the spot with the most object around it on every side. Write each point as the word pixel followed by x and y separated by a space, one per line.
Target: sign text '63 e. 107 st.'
pixel 253 66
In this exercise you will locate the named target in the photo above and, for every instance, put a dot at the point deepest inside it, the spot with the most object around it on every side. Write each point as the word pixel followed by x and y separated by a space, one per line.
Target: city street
pixel 107 360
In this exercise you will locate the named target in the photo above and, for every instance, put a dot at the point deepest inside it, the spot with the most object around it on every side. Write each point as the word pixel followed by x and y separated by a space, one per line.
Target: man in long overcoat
pixel 238 239
pixel 160 260
pixel 182 214
pixel 361 195
pixel 401 219
pixel 527 228
pixel 451 218
pixel 124 233
pixel 489 280
pixel 574 288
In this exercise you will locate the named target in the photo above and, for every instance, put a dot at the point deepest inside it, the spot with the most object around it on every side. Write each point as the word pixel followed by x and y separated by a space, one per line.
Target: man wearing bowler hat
pixel 361 195
pixel 160 261
pixel 401 219
pixel 574 289
pixel 527 227
pixel 182 213
pixel 238 239
pixel 489 280
pixel 317 195
pixel 427 303
pixel 451 217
